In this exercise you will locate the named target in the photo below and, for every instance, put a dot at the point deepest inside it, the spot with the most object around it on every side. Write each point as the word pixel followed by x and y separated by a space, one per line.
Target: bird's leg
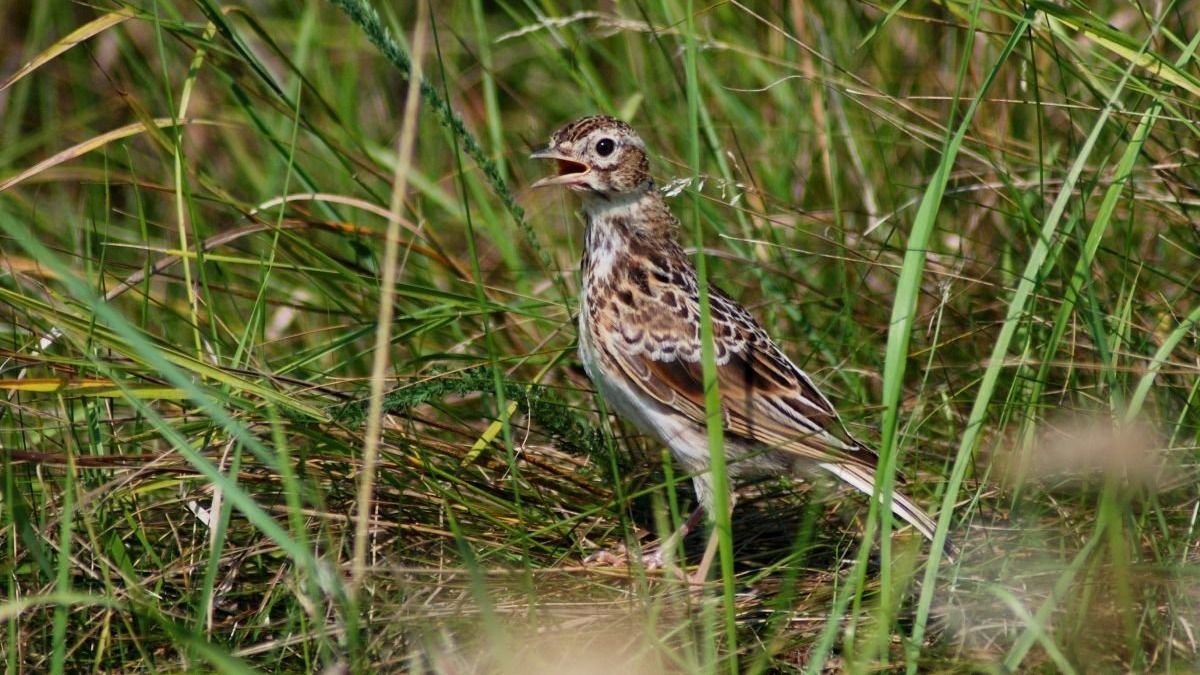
pixel 698 577
pixel 662 553
pixel 654 556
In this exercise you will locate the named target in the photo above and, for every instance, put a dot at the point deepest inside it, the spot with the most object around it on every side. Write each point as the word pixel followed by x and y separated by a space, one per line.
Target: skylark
pixel 639 337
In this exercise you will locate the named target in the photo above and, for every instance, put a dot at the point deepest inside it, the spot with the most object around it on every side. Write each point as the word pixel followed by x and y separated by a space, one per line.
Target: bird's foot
pixel 608 557
pixel 652 558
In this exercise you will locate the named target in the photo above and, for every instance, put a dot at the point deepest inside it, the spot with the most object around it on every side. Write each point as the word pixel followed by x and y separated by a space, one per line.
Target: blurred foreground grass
pixel 975 223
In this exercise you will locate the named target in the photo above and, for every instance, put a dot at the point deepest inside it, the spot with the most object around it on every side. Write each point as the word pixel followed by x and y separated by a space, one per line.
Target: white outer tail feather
pixel 863 478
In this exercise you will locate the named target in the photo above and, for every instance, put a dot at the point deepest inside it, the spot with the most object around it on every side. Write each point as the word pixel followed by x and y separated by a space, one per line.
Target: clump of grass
pixel 544 408
pixel 969 222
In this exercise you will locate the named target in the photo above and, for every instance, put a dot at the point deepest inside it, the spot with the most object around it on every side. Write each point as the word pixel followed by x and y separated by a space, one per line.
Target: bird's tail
pixel 863 478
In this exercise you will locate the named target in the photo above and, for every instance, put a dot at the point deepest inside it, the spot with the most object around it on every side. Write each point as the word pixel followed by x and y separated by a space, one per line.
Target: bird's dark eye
pixel 605 146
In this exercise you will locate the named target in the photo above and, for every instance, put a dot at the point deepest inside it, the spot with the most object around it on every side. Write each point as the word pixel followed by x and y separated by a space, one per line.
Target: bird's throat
pixel 637 225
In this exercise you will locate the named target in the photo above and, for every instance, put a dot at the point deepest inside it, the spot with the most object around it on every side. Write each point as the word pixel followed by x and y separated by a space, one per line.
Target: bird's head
pixel 600 155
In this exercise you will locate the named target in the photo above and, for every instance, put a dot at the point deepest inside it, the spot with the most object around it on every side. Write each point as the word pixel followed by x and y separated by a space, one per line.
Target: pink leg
pixel 655 556
pixel 700 576
pixel 661 555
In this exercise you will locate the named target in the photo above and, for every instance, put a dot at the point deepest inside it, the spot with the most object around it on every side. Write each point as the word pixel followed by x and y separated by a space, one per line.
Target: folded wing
pixel 764 397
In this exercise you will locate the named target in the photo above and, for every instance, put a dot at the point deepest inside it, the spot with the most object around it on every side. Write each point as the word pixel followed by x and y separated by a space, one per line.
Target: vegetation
pixel 287 352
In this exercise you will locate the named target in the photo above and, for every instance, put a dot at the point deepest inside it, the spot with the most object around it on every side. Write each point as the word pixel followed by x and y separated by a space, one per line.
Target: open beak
pixel 570 171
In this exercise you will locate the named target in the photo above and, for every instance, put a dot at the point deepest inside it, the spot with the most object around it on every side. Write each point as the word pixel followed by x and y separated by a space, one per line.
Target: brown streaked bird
pixel 639 338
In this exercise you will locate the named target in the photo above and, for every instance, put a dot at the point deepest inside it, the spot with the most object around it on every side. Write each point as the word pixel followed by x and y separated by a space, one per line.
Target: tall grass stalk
pixel 388 273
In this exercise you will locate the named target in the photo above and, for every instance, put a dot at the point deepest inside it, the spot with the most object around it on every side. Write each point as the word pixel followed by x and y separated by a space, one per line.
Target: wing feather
pixel 765 398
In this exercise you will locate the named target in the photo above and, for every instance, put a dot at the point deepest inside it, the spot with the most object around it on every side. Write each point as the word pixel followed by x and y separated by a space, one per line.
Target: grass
pixel 287 351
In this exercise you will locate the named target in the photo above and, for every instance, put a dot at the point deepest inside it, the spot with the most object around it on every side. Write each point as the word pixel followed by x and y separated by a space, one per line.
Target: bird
pixel 640 341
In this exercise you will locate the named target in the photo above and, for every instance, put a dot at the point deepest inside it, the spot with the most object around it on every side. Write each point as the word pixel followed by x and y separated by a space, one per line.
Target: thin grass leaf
pixel 1015 310
pixel 81 34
